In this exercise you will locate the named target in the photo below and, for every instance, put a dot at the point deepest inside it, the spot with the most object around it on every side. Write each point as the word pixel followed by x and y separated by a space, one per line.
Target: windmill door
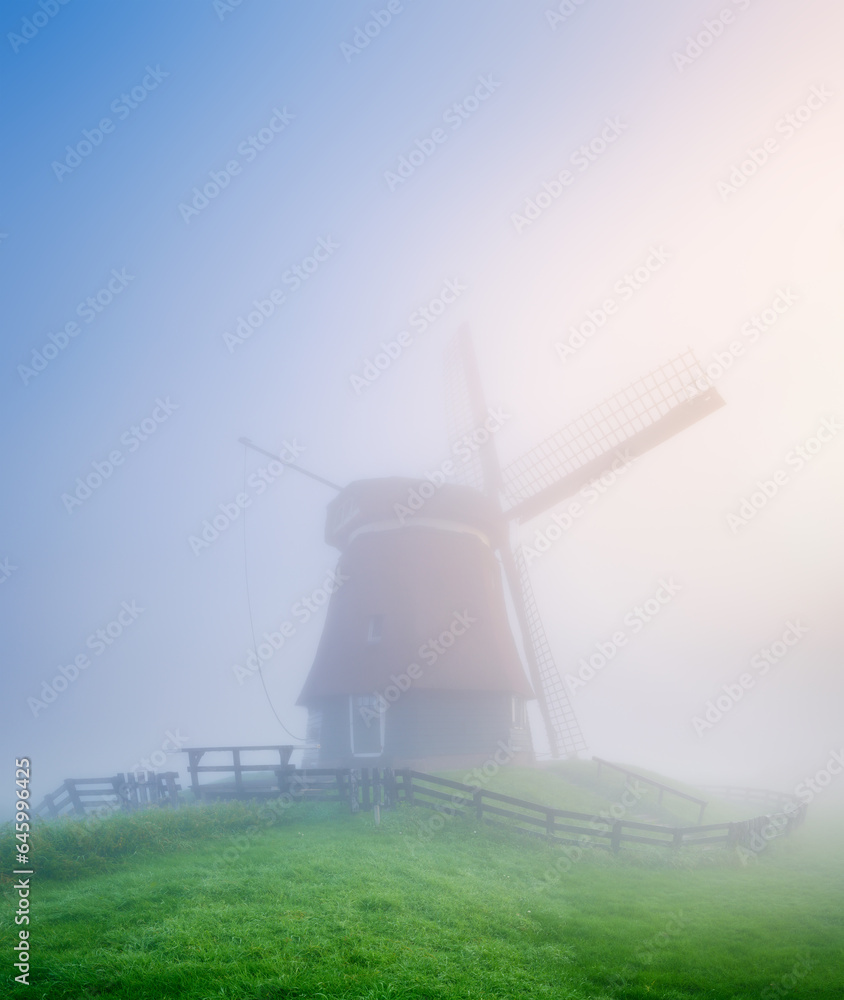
pixel 366 725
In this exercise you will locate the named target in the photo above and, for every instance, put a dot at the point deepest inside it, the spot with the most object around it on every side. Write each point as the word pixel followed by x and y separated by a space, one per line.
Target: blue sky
pixel 538 89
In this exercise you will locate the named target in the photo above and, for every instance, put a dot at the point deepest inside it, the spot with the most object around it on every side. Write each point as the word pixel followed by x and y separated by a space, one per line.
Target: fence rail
pixel 372 788
pixel 762 796
pixel 663 788
pixel 236 768
pixel 548 822
pixel 121 792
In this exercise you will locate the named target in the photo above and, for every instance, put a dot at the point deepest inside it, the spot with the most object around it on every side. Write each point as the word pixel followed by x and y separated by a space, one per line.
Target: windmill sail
pixel 467 404
pixel 565 737
pixel 461 409
pixel 629 423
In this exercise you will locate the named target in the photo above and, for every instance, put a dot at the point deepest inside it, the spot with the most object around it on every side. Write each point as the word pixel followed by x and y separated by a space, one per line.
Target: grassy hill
pixel 222 901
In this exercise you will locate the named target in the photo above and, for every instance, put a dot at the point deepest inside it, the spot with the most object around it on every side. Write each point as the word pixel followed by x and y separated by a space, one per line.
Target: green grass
pixel 222 902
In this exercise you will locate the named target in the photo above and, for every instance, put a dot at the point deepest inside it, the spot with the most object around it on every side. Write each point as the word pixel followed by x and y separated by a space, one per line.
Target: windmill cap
pixel 400 502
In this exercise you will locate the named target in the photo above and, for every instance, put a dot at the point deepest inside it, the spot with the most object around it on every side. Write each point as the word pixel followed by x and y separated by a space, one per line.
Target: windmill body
pixel 417 665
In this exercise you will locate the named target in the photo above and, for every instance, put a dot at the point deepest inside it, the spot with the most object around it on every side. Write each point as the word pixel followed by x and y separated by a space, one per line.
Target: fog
pixel 534 160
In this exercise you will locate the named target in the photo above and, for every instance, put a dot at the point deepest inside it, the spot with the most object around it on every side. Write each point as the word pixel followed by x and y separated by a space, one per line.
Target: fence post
pixel 73 795
pixel 615 842
pixel 172 794
pixel 238 773
pixel 407 785
pixel 389 788
pixel 353 791
pixel 364 788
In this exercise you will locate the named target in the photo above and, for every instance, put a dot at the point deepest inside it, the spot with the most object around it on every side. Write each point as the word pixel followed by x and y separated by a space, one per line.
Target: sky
pixel 216 215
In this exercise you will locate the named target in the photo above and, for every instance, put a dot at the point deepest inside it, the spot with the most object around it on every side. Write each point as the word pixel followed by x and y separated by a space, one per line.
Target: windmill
pixel 417 664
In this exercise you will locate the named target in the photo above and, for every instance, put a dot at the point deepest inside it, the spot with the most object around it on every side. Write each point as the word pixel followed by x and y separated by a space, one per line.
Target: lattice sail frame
pixel 606 428
pixel 460 415
pixel 567 738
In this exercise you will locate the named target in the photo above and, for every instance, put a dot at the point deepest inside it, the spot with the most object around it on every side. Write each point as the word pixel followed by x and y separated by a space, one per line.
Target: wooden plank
pixel 421 776
pixel 635 825
pixel 269 746
pixel 441 796
pixel 498 797
pixel 171 789
pixel 650 781
pixel 75 801
pixel 629 838
pixel 583 831
pixel 534 820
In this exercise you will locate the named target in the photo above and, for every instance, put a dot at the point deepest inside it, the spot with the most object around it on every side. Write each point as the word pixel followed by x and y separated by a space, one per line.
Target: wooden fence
pixel 122 792
pixel 656 784
pixel 757 796
pixel 562 825
pixel 237 768
pixel 372 788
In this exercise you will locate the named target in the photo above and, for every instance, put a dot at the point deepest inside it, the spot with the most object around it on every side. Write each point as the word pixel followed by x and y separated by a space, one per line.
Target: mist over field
pixel 269 220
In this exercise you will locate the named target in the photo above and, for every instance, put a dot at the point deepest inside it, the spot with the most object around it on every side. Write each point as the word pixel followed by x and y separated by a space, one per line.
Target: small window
pixel 375 631
pixel 517 710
